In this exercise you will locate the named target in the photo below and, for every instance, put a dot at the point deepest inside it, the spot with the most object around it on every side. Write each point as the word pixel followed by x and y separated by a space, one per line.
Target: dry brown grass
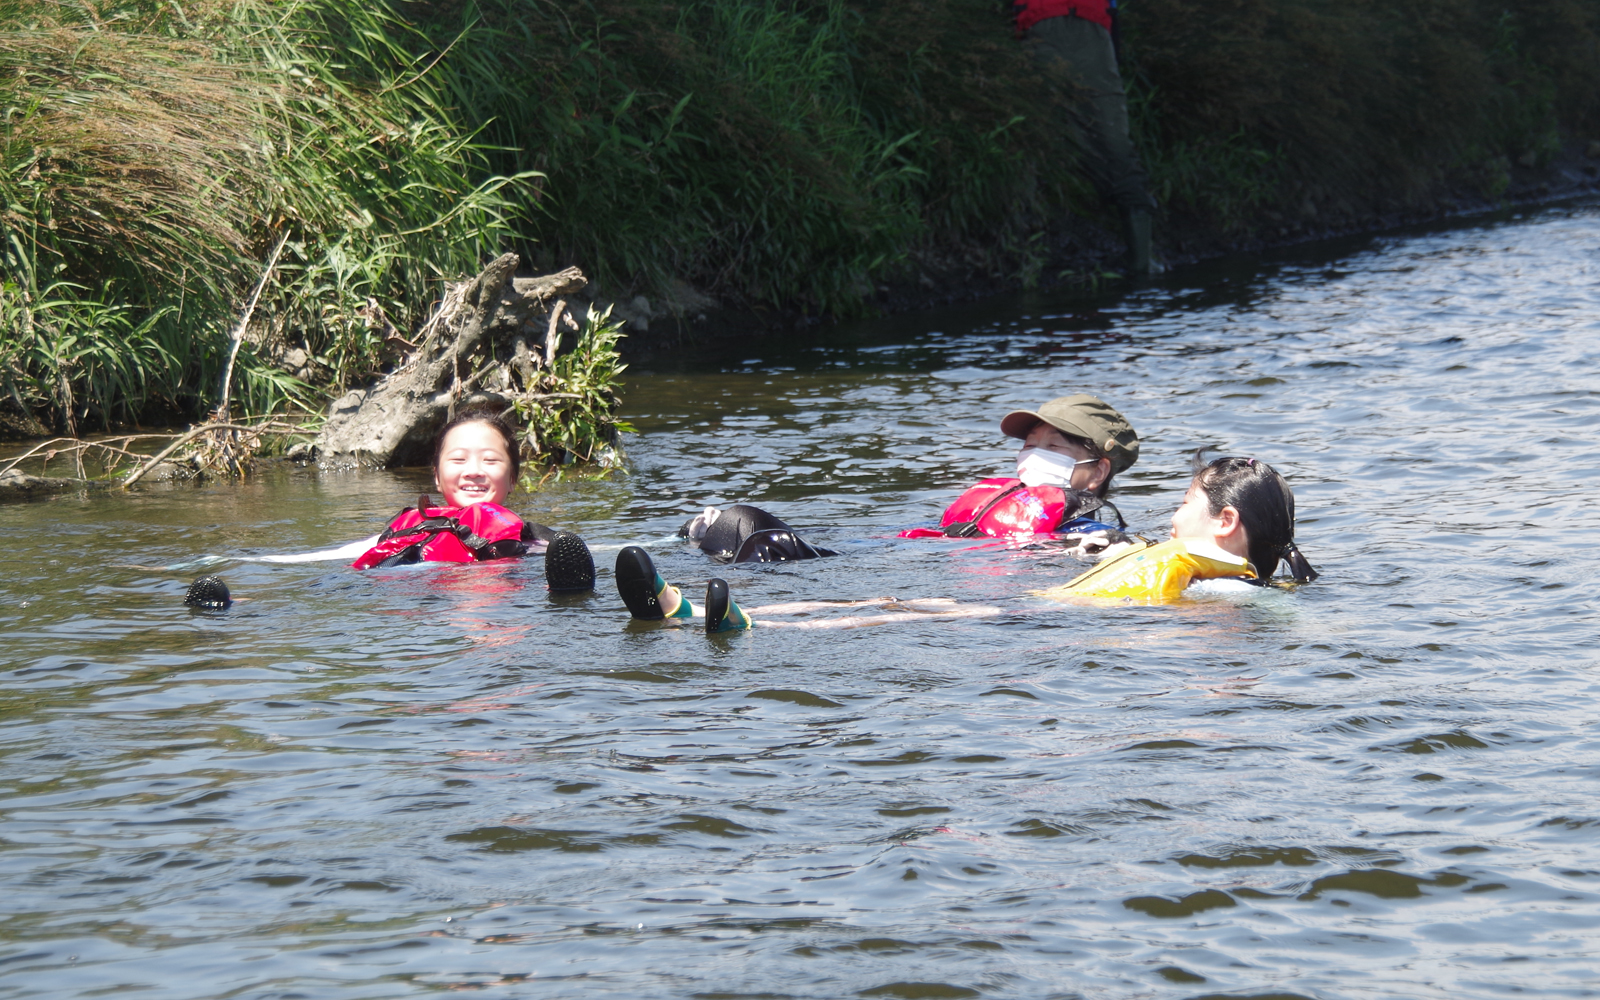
pixel 149 160
pixel 134 145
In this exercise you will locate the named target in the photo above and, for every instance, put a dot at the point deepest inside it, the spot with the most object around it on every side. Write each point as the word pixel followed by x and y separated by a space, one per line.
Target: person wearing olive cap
pixel 1072 446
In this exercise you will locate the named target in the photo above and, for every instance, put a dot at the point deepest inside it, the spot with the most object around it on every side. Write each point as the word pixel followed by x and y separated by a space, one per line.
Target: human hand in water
pixel 1096 544
pixel 695 528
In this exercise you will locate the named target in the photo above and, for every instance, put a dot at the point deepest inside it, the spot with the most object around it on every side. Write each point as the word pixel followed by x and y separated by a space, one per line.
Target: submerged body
pixel 476 460
pixel 1236 523
pixel 475 533
pixel 1072 446
pixel 1154 573
pixel 744 533
pixel 1009 508
pixel 476 464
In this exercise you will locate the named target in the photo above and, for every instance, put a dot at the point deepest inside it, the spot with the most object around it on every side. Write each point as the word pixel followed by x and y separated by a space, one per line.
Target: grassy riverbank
pixel 777 155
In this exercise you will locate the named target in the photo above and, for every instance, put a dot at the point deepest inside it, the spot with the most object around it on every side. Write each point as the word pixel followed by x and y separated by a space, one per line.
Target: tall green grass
pixel 776 153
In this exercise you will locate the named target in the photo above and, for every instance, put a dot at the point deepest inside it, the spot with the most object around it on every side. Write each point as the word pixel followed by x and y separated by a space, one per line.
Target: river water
pixel 398 783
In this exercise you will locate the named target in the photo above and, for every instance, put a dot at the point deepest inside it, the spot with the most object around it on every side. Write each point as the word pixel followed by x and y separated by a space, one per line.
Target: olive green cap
pixel 1084 416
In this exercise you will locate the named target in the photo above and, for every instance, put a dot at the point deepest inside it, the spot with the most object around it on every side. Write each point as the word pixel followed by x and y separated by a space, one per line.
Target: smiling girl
pixel 476 461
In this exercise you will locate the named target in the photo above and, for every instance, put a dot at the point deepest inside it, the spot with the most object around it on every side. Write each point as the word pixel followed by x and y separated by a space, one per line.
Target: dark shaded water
pixel 405 782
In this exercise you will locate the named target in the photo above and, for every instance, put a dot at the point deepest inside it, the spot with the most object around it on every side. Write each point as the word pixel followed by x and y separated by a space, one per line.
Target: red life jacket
pixel 1032 12
pixel 448 534
pixel 1002 508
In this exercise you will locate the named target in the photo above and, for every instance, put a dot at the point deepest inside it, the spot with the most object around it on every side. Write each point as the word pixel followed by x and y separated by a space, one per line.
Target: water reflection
pixel 441 778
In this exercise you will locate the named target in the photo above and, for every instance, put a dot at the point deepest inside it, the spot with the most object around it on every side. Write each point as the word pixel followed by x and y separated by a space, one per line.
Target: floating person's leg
pixel 568 566
pixel 648 597
pixel 902 611
pixel 343 553
pixel 896 612
pixel 920 605
pixel 208 592
pixel 722 611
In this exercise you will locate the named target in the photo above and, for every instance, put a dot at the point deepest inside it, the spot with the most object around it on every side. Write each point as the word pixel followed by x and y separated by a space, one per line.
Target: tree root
pixel 482 327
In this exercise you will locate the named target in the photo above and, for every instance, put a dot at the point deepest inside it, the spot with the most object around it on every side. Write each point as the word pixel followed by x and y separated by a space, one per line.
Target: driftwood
pixel 210 449
pixel 228 444
pixel 112 451
pixel 457 360
pixel 16 485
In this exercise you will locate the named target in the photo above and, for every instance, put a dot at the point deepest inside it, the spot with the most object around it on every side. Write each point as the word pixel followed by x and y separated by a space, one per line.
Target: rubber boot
pixel 210 593
pixel 1136 226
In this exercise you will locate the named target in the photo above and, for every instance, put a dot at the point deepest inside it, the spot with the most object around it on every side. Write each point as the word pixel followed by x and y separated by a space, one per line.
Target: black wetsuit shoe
pixel 568 566
pixel 208 592
pixel 723 613
pixel 636 583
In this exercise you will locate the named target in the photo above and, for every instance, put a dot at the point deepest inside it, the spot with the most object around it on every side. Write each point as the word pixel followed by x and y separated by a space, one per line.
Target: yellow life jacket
pixel 1154 573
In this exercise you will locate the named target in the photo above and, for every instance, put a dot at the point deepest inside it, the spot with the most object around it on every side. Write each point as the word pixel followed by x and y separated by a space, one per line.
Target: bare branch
pixel 244 321
pixel 552 336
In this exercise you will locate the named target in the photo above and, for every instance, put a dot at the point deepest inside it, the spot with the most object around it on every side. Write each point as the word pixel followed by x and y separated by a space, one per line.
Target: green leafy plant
pixel 569 413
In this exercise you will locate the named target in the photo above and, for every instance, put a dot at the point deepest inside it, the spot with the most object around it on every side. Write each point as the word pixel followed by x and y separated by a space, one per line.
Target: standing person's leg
pixel 1082 51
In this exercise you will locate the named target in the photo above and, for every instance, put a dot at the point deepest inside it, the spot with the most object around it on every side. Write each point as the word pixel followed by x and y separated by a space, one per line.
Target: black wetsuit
pixel 743 533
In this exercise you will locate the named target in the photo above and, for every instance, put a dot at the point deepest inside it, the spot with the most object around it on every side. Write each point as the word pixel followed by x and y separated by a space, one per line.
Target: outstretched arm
pixel 345 552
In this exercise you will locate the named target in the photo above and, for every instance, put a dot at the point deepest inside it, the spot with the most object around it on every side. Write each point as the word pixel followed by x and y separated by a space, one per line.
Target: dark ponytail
pixel 1266 511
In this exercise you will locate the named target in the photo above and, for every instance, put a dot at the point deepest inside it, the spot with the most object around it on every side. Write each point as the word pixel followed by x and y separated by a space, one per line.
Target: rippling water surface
pixel 399 783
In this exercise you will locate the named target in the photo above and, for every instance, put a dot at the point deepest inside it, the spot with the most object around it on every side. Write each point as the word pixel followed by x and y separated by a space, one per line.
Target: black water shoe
pixel 723 613
pixel 208 592
pixel 636 583
pixel 568 566
pixel 649 598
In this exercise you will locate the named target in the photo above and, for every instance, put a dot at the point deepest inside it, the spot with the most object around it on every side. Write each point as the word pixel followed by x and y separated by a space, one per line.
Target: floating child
pixel 1072 446
pixel 476 461
pixel 1236 522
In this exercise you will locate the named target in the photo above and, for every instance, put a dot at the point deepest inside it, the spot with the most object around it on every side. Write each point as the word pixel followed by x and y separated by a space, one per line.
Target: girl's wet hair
pixel 1266 510
pixel 493 419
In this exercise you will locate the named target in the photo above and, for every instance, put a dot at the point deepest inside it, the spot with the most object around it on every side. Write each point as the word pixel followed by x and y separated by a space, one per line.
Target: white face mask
pixel 1038 467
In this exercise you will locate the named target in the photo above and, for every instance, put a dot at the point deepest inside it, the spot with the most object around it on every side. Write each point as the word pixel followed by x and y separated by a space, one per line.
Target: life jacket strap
pixel 969 529
pixel 1085 503
pixel 438 525
pixel 1101 503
